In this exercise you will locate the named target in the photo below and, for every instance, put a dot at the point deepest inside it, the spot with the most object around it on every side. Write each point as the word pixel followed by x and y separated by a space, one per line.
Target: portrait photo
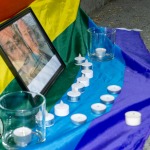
pixel 29 50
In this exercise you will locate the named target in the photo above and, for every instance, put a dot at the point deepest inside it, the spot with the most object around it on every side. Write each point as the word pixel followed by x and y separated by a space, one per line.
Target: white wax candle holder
pixel 133 118
pixel 79 60
pixel 61 109
pixel 79 87
pixel 84 80
pixel 78 118
pixel 88 73
pixel 73 96
pixel 49 119
pixel 86 65
pixel 22 136
pixel 114 89
pixel 98 108
pixel 100 52
pixel 107 99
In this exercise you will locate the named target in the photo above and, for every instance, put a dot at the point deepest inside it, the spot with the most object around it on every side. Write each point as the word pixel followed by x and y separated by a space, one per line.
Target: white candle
pixel 73 96
pixel 1 127
pixel 79 60
pixel 133 118
pixel 114 89
pixel 78 119
pixel 79 87
pixel 88 73
pixel 107 99
pixel 84 80
pixel 49 119
pixel 86 65
pixel 98 108
pixel 22 136
pixel 100 52
pixel 61 109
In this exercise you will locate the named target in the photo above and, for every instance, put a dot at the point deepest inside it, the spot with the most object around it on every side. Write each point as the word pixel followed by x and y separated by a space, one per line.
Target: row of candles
pixel 22 135
pixel 62 109
pixel 132 118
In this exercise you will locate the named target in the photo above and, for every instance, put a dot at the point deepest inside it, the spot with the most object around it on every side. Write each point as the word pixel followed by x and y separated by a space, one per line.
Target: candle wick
pixel 79 55
pixel 73 90
pixel 61 102
pixel 23 133
pixel 86 61
pixel 83 75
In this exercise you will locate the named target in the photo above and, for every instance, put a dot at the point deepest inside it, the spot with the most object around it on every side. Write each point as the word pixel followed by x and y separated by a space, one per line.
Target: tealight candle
pixel 100 52
pixel 86 65
pixel 49 119
pixel 107 99
pixel 133 118
pixel 79 60
pixel 114 89
pixel 73 96
pixel 61 109
pixel 88 73
pixel 84 80
pixel 22 136
pixel 1 127
pixel 98 108
pixel 79 87
pixel 78 119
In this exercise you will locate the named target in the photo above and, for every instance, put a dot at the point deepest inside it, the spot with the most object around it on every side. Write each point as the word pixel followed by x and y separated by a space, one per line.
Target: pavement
pixel 131 14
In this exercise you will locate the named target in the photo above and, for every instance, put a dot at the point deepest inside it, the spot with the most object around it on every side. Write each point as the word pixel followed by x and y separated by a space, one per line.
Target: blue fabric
pixel 64 134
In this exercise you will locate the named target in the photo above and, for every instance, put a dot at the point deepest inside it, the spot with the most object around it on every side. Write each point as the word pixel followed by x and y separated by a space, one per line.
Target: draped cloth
pixel 110 131
pixel 67 27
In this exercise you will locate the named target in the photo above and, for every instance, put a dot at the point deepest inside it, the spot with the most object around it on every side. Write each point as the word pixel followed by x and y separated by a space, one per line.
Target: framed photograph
pixel 29 53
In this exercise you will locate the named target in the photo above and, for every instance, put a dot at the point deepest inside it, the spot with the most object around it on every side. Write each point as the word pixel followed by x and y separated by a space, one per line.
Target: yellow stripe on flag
pixel 5 75
pixel 55 16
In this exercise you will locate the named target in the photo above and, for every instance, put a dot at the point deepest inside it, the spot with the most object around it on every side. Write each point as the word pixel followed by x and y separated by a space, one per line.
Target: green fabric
pixel 73 40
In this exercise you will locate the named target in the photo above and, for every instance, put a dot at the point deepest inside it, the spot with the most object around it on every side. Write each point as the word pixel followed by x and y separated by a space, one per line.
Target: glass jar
pixel 18 114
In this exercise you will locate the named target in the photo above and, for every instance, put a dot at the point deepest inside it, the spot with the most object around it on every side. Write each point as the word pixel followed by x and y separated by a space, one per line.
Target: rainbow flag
pixel 66 25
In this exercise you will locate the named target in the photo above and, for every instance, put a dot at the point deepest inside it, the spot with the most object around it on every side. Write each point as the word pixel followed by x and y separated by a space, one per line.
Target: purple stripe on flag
pixel 110 132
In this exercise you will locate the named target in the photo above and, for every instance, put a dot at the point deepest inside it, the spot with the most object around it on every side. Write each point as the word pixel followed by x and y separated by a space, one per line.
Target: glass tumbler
pixel 18 114
pixel 101 41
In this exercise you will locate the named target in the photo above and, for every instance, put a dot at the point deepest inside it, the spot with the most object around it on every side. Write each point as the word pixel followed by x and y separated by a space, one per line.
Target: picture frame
pixel 29 53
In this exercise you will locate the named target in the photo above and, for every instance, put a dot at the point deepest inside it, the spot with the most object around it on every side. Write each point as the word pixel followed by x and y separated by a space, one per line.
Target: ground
pixel 132 14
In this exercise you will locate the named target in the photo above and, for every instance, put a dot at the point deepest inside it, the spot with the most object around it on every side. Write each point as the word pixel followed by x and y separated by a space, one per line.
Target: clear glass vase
pixel 101 43
pixel 18 114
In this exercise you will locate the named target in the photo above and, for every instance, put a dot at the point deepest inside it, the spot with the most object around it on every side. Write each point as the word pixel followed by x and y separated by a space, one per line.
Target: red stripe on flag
pixel 8 8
